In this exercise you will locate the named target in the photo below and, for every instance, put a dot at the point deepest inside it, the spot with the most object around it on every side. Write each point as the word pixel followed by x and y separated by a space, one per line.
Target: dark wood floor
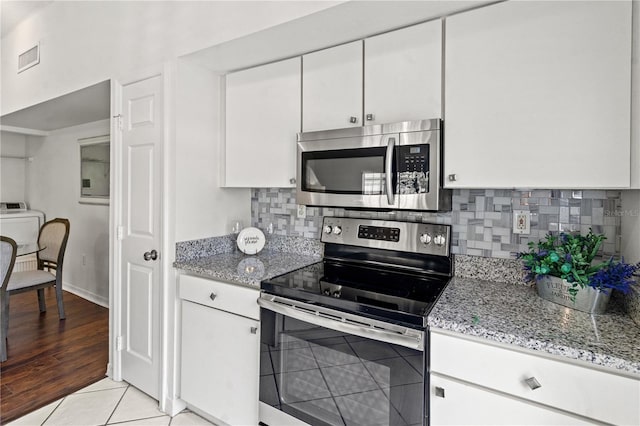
pixel 49 358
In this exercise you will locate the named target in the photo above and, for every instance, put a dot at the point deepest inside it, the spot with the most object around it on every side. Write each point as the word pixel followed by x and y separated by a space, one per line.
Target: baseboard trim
pixel 173 406
pixel 91 297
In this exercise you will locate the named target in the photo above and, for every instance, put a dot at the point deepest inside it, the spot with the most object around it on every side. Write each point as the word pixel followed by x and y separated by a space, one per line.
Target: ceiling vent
pixel 29 58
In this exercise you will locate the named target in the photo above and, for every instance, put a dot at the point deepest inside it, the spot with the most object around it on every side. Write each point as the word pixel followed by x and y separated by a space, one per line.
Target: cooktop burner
pixel 379 293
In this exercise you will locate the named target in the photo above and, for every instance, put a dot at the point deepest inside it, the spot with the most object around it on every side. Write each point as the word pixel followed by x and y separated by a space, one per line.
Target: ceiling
pixel 14 11
pixel 86 105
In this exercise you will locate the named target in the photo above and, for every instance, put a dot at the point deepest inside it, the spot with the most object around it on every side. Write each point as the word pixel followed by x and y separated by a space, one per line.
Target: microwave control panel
pixel 413 158
pixel 413 169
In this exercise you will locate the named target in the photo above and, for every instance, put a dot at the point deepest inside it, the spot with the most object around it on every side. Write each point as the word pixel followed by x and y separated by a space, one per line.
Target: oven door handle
pixel 401 336
pixel 388 170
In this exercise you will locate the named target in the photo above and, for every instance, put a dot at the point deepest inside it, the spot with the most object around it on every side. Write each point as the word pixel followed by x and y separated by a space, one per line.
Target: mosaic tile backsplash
pixel 481 219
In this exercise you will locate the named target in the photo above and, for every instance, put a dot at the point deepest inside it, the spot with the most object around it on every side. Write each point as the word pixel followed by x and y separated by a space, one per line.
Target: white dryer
pixel 23 225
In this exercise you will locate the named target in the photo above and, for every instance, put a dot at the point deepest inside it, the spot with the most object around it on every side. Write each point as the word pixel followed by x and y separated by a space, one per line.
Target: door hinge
pixel 119 118
pixel 120 232
pixel 119 343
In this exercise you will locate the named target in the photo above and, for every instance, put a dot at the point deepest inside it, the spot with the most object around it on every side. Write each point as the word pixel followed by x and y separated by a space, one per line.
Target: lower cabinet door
pixel 457 403
pixel 220 364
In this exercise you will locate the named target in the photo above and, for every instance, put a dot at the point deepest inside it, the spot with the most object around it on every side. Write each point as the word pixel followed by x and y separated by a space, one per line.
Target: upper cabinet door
pixel 262 119
pixel 537 95
pixel 332 88
pixel 403 74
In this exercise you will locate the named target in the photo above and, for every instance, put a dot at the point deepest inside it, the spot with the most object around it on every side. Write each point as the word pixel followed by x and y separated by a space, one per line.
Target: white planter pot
pixel 587 299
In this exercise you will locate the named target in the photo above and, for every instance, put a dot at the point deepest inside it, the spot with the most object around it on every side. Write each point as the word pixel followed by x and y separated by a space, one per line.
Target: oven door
pixel 348 172
pixel 322 367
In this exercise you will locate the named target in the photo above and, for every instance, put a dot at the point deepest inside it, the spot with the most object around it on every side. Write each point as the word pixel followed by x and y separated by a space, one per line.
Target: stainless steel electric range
pixel 344 341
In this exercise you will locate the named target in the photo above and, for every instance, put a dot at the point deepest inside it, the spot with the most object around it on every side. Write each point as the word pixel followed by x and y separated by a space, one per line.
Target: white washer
pixel 23 226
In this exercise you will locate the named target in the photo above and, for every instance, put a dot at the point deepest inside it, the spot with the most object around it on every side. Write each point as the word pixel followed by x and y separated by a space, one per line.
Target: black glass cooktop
pixel 380 293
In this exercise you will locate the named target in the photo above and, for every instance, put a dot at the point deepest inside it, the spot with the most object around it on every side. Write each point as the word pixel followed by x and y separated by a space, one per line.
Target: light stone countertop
pixel 246 270
pixel 506 313
pixel 515 314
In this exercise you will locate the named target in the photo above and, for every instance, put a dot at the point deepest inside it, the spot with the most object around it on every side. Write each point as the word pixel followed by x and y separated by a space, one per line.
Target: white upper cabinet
pixel 262 119
pixel 537 94
pixel 398 78
pixel 332 88
pixel 403 74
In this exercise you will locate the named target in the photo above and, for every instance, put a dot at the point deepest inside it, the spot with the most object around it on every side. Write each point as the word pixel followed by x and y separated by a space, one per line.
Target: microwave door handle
pixel 388 170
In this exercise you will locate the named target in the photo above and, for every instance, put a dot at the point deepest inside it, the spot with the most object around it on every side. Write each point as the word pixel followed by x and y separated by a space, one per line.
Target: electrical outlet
pixel 521 222
pixel 302 211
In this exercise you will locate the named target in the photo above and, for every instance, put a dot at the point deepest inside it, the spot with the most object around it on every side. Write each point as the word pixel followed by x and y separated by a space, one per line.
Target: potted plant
pixel 565 270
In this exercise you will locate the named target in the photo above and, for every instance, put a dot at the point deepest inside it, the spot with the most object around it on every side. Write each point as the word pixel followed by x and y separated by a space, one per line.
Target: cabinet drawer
pixel 224 296
pixel 585 391
pixel 485 407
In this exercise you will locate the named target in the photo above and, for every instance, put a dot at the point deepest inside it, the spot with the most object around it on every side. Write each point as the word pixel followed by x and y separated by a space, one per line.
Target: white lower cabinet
pixel 220 363
pixel 474 381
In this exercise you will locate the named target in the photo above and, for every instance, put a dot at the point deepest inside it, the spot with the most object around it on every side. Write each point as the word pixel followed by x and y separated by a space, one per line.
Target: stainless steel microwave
pixel 394 166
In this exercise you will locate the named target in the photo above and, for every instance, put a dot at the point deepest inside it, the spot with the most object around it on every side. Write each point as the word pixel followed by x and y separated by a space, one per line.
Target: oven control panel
pixel 426 238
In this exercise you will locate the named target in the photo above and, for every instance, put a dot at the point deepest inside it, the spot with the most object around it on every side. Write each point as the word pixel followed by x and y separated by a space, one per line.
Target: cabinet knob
pixel 254 330
pixel 371 117
pixel 453 177
pixel 533 383
pixel 439 391
pixel 212 296
pixel 353 120
pixel 292 181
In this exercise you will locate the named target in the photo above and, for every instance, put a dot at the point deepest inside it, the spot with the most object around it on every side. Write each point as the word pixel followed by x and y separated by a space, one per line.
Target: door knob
pixel 353 120
pixel 150 255
pixel 371 117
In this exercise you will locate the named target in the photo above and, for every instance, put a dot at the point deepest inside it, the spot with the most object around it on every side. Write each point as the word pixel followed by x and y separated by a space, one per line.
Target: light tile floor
pixel 107 403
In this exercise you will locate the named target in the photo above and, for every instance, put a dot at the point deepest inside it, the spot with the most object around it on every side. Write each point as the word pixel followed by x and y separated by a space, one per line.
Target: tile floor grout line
pixel 97 390
pixel 141 418
pixel 52 411
pixel 117 404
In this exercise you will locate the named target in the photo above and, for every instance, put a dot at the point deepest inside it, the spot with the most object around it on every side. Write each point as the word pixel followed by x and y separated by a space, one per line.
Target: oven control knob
pixel 327 229
pixel 337 230
pixel 439 240
pixel 425 239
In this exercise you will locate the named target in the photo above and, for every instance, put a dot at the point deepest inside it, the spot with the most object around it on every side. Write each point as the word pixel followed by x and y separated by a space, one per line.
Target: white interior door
pixel 142 132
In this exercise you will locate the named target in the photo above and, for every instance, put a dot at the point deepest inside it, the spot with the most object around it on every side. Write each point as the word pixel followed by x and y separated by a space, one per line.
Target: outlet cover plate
pixel 521 222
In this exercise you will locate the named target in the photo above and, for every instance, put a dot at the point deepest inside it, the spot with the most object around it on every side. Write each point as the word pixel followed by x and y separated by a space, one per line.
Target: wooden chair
pixel 53 235
pixel 8 249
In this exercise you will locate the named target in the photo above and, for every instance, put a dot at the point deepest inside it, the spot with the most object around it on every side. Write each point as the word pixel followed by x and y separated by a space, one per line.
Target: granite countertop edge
pixel 224 266
pixel 446 317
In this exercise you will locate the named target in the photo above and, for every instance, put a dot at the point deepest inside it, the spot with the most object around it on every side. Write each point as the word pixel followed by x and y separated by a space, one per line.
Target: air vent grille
pixel 29 58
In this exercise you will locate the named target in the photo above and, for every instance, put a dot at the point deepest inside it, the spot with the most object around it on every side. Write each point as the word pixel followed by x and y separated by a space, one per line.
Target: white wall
pixel 54 187
pixel 203 209
pixel 85 42
pixel 635 97
pixel 12 170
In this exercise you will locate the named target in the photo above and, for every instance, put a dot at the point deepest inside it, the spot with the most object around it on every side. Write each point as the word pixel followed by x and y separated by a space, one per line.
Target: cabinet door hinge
pixel 119 343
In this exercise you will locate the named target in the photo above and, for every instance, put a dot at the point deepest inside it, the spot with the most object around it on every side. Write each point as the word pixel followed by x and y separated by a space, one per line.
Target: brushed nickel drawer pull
pixel 533 383
pixel 212 296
